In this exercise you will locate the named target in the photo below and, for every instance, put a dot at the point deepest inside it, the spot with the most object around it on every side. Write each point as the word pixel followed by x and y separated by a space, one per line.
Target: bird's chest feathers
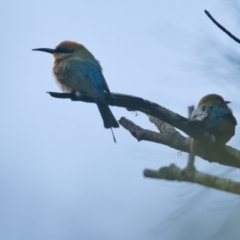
pixel 80 75
pixel 62 71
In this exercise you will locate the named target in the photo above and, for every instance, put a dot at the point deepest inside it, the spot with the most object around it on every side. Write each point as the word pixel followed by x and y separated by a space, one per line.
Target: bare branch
pixel 212 152
pixel 192 128
pixel 222 28
pixel 162 126
pixel 174 140
pixel 224 155
pixel 174 173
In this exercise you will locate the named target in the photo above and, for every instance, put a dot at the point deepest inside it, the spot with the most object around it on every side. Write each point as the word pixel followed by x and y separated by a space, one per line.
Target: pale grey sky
pixel 61 175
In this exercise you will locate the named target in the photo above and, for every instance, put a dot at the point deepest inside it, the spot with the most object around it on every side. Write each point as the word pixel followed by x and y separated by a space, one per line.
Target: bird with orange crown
pixel 77 70
pixel 217 118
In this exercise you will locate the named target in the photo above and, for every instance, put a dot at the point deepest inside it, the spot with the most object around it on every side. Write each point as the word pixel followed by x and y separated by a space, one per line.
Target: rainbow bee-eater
pixel 77 70
pixel 217 117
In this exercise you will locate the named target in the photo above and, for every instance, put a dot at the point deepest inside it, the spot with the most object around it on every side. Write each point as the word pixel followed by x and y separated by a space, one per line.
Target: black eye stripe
pixel 63 50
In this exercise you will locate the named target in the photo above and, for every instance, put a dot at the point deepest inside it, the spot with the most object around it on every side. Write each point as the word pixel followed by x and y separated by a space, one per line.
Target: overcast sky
pixel 61 175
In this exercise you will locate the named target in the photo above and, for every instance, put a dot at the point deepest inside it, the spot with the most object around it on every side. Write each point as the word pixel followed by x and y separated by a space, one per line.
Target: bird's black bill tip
pixel 227 102
pixel 48 50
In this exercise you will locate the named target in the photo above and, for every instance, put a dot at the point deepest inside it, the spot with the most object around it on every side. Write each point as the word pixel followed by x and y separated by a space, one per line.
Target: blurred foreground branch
pixel 174 173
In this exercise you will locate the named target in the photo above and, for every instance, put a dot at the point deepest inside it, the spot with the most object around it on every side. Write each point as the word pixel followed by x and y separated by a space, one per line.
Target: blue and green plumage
pixel 217 117
pixel 76 70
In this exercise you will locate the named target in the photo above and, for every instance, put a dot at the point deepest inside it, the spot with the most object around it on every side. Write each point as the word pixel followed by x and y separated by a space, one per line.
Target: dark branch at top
pixel 222 28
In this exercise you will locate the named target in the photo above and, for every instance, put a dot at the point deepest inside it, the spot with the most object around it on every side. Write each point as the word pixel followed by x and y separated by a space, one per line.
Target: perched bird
pixel 77 70
pixel 217 117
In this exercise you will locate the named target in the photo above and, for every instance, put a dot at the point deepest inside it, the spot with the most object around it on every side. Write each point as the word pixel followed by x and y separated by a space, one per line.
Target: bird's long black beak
pixel 48 50
pixel 227 102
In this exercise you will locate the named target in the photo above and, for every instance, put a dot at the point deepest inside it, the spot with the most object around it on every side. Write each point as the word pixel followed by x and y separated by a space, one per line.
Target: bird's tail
pixel 109 120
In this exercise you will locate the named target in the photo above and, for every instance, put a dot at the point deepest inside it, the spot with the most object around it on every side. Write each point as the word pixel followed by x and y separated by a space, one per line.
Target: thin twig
pixel 222 28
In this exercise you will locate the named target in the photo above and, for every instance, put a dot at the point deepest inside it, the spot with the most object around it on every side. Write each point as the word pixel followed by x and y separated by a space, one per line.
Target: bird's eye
pixel 63 50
